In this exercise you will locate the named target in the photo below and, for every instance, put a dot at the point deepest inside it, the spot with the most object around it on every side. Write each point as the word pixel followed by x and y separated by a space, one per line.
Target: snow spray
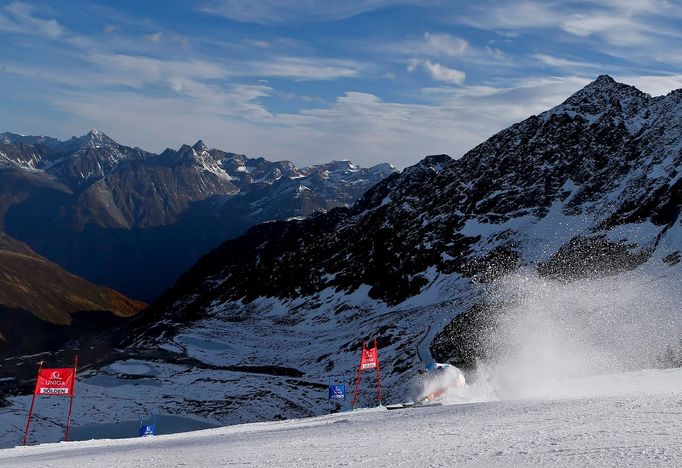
pixel 441 384
pixel 550 335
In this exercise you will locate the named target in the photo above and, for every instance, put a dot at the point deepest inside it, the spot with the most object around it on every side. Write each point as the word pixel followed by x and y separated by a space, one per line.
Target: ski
pixel 400 406
pixel 412 405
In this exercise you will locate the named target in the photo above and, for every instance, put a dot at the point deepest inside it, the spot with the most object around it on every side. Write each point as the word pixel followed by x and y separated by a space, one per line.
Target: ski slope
pixel 627 419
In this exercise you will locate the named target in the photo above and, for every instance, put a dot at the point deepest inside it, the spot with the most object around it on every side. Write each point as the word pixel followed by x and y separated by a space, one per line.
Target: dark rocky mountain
pixel 42 306
pixel 588 189
pixel 134 221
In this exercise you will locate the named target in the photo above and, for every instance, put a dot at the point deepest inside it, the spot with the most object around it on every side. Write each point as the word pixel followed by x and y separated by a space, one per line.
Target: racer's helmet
pixel 436 366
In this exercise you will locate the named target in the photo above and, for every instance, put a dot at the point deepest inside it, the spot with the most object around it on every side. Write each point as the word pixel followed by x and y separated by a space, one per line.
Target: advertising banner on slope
pixel 147 430
pixel 369 358
pixel 55 381
pixel 337 392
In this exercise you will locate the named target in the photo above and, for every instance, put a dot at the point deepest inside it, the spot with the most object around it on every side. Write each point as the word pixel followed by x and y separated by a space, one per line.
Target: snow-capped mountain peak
pixel 603 96
pixel 7 137
pixel 93 139
pixel 383 167
pixel 184 154
pixel 199 146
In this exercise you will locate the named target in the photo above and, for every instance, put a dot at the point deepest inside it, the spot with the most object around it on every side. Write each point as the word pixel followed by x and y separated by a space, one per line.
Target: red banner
pixel 60 381
pixel 55 381
pixel 369 358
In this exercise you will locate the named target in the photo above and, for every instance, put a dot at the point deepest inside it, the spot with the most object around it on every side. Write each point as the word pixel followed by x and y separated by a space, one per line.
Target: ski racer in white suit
pixel 440 379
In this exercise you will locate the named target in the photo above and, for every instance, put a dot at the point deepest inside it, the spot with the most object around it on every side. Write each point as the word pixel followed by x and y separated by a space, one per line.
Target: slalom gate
pixel 51 382
pixel 369 359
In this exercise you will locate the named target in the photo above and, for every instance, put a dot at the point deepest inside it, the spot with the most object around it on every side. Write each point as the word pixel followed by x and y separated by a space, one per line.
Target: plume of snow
pixel 548 337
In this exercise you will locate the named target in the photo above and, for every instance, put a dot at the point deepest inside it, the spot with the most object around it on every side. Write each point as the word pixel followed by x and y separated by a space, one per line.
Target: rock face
pixel 586 189
pixel 135 221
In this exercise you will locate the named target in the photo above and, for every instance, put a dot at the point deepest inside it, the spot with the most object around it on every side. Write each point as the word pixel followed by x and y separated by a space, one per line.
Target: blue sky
pixel 309 81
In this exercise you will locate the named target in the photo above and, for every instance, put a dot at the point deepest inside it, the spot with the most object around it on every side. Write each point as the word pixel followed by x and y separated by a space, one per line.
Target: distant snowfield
pixel 628 419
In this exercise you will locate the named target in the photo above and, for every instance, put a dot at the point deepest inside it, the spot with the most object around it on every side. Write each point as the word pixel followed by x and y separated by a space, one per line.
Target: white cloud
pixel 584 25
pixel 437 71
pixel 286 11
pixel 299 68
pixel 442 47
pixel 639 6
pixel 154 37
pixel 495 52
pixel 259 43
pixel 136 70
pixel 442 73
pixel 639 34
pixel 620 31
pixel 412 64
pixel 617 23
pixel 444 44
pixel 560 62
pixel 656 85
pixel 513 14
pixel 430 45
pixel 20 17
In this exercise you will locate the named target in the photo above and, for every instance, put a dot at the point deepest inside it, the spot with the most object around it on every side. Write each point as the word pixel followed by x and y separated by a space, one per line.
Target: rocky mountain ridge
pixel 149 216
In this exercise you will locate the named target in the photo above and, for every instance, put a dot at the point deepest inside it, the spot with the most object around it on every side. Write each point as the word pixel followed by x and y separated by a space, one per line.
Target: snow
pixel 386 200
pixel 228 342
pixel 639 233
pixel 540 238
pixel 557 325
pixel 300 190
pixel 629 419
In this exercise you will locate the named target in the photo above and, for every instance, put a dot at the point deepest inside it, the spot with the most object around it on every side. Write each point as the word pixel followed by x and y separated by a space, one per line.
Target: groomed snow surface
pixel 627 419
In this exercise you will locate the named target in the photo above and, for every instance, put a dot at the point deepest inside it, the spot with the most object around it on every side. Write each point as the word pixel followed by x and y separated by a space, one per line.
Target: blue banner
pixel 147 429
pixel 337 392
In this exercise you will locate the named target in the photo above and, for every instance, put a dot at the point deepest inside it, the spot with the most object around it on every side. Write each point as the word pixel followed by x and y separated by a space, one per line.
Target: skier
pixel 440 379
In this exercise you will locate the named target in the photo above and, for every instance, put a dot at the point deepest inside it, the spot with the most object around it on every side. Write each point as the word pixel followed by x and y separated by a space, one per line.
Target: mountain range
pixel 589 189
pixel 134 221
